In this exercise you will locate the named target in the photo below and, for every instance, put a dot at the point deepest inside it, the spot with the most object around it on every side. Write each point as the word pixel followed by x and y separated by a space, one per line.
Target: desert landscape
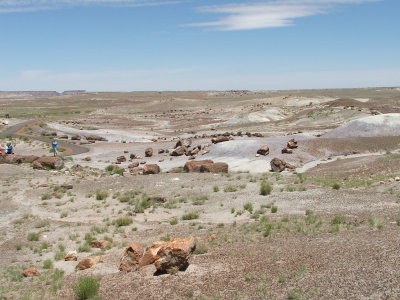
pixel 236 194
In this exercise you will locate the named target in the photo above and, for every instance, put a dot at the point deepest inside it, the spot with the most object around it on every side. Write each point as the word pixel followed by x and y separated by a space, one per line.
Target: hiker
pixel 9 148
pixel 54 146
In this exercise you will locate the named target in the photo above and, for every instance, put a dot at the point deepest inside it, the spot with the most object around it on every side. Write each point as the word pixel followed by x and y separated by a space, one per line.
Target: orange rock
pixel 195 166
pixel 131 257
pixel 100 244
pixel 30 272
pixel 72 256
pixel 214 168
pixel 89 262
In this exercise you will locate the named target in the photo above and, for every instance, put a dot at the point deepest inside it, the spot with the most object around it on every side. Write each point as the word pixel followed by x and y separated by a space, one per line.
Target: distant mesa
pixel 37 94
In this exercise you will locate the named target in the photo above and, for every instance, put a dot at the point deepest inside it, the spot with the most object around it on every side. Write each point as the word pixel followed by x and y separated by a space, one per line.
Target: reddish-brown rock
pixel 121 159
pixel 131 256
pixel 219 167
pixel 278 165
pixel 195 166
pixel 96 138
pixel 89 262
pixel 133 165
pixel 151 169
pixel 51 162
pixel 72 256
pixel 148 152
pixel 287 151
pixel 178 151
pixel 30 272
pixel 292 144
pixel 100 244
pixel 264 150
pixel 37 165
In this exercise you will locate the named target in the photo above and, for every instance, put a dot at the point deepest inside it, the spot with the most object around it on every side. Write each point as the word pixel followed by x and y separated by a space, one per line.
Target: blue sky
pixel 128 45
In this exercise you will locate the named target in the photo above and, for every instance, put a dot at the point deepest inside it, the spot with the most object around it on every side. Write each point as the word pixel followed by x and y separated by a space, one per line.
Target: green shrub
pixel 33 236
pixel 101 194
pixel 230 189
pixel 249 207
pixel 42 223
pixel 336 186
pixel 338 220
pixel 216 188
pixel 265 188
pixel 174 221
pixel 86 288
pixel 191 216
pixel 200 249
pixel 123 221
pixel 274 209
pixel 48 264
pixel 85 247
pixel 46 196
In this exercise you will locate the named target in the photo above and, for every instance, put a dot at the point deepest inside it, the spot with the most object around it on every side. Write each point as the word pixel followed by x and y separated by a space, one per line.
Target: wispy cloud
pixel 268 14
pixel 13 6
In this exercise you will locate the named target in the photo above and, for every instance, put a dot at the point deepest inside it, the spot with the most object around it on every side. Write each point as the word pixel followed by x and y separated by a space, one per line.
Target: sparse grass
pixel 265 188
pixel 216 188
pixel 191 216
pixel 200 249
pixel 338 220
pixel 174 221
pixel 123 221
pixel 274 209
pixel 42 223
pixel 200 200
pixel 249 207
pixel 296 294
pixel 46 196
pixel 230 189
pixel 47 264
pixel 33 236
pixel 101 194
pixel 86 288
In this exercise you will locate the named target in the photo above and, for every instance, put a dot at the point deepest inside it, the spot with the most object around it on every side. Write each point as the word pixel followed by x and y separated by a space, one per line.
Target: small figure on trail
pixel 54 146
pixel 9 148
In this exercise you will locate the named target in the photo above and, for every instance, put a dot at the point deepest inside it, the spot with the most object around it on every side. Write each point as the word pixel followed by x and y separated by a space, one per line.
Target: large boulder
pixel 292 144
pixel 264 150
pixel 148 152
pixel 278 165
pixel 195 166
pixel 151 169
pixel 51 162
pixel 220 139
pixel 171 256
pixel 218 167
pixel 131 256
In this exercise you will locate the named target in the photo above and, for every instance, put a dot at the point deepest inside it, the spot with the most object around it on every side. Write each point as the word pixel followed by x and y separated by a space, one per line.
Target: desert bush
pixel 86 288
pixel 33 236
pixel 338 220
pixel 42 223
pixel 48 264
pixel 336 186
pixel 274 209
pixel 101 194
pixel 230 189
pixel 216 188
pixel 123 221
pixel 248 206
pixel 191 216
pixel 174 221
pixel 46 196
pixel 265 188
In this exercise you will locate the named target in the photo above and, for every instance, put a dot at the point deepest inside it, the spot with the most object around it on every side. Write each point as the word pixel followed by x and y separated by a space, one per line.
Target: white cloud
pixel 267 14
pixel 10 6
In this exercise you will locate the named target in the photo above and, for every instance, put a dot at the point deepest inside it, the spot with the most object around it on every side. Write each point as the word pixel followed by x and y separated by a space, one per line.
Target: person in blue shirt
pixel 9 148
pixel 54 146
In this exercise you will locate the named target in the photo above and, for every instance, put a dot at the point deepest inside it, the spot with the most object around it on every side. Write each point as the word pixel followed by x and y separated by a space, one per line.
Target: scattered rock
pixel 184 143
pixel 134 156
pixel 100 244
pixel 121 159
pixel 149 152
pixel 151 169
pixel 220 139
pixel 292 144
pixel 87 158
pixel 179 151
pixel 71 256
pixel 287 151
pixel 135 164
pixel 264 150
pixel 195 166
pixel 30 272
pixel 278 165
pixel 51 162
pixel 131 256
pixel 76 138
pixel 218 167
pixel 96 138
pixel 89 262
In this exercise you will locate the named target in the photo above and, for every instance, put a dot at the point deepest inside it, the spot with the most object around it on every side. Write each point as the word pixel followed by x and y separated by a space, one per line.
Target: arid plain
pixel 326 225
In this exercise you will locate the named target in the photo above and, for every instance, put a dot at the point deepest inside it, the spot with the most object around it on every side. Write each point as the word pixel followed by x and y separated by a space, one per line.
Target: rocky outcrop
pixel 219 167
pixel 148 152
pixel 178 151
pixel 151 169
pixel 220 139
pixel 131 256
pixel 186 143
pixel 264 150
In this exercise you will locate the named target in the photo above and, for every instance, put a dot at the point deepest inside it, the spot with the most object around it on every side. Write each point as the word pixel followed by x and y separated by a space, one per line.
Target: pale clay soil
pixel 301 258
